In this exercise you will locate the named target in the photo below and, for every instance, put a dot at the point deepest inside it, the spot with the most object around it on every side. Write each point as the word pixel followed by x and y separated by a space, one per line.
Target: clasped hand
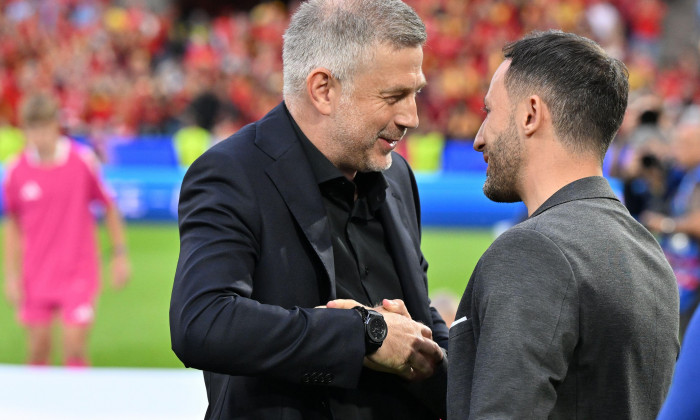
pixel 408 349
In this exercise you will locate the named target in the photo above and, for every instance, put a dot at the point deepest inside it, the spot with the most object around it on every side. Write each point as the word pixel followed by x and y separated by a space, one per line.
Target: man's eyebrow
pixel 403 89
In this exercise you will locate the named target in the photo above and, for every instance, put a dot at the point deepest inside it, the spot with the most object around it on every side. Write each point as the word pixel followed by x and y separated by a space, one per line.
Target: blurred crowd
pixel 124 69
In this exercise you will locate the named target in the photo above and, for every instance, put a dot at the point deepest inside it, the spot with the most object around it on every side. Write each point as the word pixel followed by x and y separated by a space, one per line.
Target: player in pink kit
pixel 51 259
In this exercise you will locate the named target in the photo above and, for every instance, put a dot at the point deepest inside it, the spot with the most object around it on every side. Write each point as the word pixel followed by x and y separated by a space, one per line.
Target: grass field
pixel 131 327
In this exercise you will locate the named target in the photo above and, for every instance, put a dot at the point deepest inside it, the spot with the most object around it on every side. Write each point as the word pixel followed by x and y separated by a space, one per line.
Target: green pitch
pixel 131 327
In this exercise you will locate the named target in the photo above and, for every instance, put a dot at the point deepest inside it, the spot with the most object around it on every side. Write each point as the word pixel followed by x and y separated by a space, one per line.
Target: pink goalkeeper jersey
pixel 51 204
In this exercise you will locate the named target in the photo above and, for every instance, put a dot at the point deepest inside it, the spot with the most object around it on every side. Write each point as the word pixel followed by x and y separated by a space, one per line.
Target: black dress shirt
pixel 365 272
pixel 364 269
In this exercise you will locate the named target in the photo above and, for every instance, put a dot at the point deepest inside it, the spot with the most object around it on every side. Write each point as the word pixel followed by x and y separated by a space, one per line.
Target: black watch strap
pixel 375 329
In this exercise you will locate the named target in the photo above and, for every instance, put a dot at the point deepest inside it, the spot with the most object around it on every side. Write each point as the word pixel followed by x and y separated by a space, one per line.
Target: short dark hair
pixel 585 89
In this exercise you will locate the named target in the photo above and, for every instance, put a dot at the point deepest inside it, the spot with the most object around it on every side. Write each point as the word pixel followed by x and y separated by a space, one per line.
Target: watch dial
pixel 377 329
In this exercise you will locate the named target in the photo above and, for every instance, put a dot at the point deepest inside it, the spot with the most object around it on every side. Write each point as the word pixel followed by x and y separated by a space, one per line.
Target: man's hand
pixel 121 270
pixel 408 350
pixel 651 220
pixel 398 307
pixel 657 222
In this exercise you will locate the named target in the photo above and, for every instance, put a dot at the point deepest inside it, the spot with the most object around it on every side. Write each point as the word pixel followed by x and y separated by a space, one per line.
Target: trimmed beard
pixel 505 159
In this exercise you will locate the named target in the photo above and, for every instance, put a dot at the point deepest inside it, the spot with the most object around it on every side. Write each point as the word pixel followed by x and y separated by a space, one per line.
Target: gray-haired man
pixel 305 207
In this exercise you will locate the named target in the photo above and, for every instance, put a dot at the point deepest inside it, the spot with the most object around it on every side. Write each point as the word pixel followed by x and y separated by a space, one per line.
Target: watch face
pixel 377 329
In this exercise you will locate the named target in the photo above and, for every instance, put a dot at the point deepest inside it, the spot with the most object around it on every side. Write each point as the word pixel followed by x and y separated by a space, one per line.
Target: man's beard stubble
pixel 505 159
pixel 355 143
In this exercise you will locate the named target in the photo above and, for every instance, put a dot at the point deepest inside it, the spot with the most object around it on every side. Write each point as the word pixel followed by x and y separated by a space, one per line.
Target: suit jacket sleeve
pixel 215 325
pixel 525 323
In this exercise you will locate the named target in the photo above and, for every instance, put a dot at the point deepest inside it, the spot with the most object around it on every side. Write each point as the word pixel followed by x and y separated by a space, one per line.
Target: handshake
pixel 408 349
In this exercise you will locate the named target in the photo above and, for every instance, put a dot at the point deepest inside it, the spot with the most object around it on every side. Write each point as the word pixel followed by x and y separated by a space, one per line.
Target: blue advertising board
pixel 145 178
pixel 447 199
pixel 145 192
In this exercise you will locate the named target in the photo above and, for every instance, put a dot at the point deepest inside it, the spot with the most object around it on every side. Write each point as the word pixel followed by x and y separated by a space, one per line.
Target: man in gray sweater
pixel 573 313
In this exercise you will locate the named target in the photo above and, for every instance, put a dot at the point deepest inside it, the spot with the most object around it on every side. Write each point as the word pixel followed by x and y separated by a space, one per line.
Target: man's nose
pixel 407 117
pixel 479 140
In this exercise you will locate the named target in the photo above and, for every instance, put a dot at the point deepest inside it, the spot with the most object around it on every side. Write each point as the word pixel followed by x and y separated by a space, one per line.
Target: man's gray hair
pixel 339 36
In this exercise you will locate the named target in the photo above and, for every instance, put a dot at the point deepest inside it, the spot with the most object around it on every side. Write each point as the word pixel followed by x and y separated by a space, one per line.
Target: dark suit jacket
pixel 572 314
pixel 256 258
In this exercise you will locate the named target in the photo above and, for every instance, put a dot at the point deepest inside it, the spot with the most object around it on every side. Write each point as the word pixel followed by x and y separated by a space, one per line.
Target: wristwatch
pixel 375 329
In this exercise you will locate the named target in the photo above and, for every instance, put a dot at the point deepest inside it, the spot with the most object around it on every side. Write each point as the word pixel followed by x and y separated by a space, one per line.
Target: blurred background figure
pixel 640 158
pixel 11 138
pixel 190 140
pixel 679 225
pixel 446 304
pixel 51 261
pixel 683 401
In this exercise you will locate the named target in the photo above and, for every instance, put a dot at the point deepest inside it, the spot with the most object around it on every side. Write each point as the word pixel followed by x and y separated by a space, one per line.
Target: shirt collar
pixel 581 189
pixel 322 168
pixel 371 184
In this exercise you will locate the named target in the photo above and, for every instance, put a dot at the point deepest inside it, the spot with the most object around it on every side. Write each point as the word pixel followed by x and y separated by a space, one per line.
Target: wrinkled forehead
pixel 396 69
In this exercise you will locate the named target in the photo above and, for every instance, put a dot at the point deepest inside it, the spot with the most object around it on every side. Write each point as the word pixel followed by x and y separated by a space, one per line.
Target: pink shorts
pixel 72 311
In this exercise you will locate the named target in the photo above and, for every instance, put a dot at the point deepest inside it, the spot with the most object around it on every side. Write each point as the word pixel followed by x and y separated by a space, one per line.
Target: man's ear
pixel 533 115
pixel 321 88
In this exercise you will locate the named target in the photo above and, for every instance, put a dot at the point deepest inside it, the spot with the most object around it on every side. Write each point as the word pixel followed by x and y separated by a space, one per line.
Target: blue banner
pixel 448 199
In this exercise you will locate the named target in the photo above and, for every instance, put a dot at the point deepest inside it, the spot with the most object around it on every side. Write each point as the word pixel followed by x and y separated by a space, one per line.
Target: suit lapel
pixel 407 262
pixel 294 180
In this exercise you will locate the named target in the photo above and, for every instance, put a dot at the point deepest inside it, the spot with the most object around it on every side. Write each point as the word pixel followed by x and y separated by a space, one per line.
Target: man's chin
pixel 380 165
pixel 501 196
